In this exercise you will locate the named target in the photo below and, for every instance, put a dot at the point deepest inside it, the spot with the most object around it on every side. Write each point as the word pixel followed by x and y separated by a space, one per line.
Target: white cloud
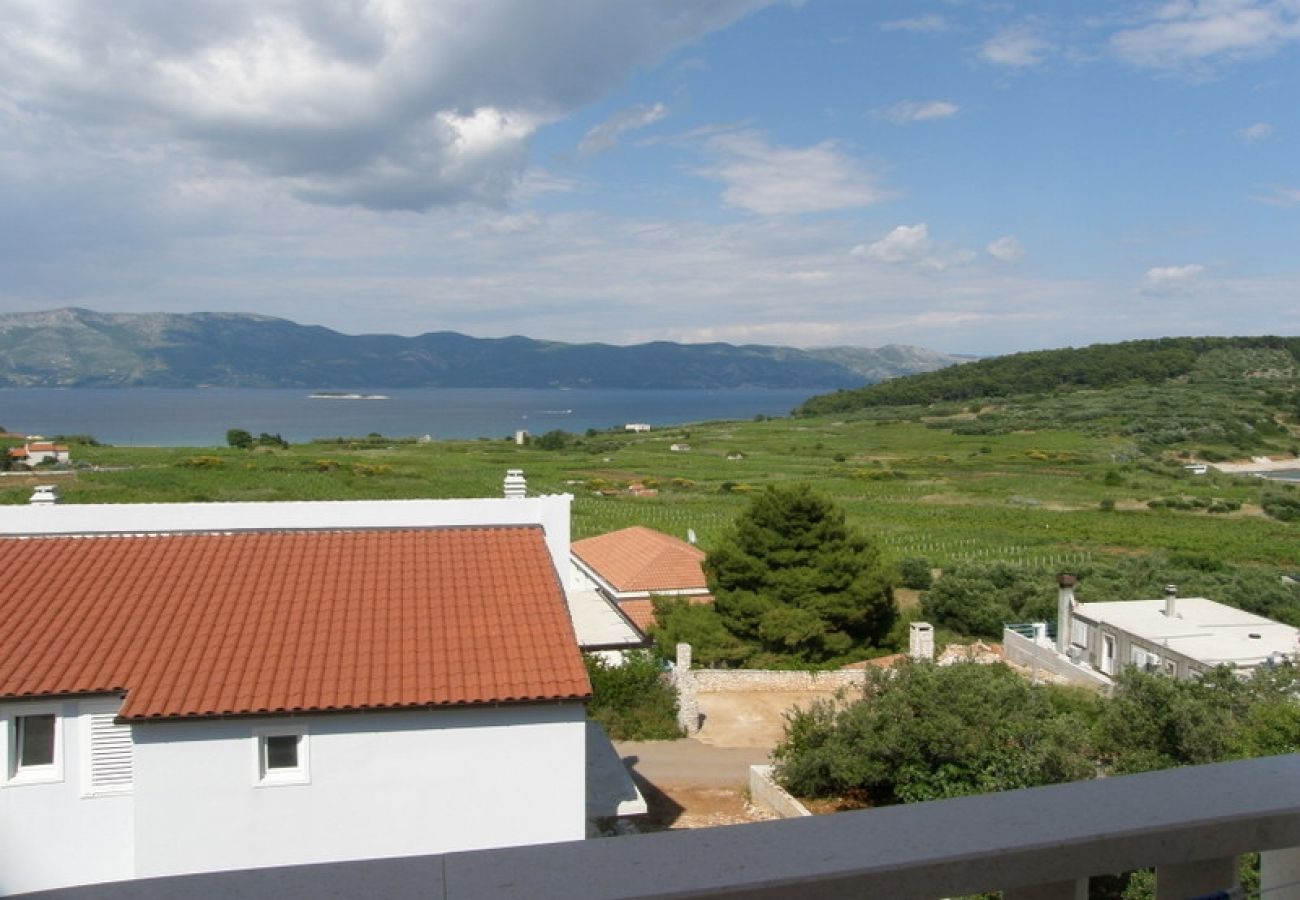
pixel 1164 278
pixel 921 110
pixel 906 243
pixel 605 136
pixel 1006 249
pixel 395 104
pixel 1257 132
pixel 774 181
pixel 912 244
pixel 926 24
pixel 1017 47
pixel 1197 33
pixel 1282 196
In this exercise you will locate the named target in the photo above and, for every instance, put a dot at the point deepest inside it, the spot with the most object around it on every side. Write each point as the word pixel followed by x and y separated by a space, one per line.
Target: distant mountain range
pixel 80 348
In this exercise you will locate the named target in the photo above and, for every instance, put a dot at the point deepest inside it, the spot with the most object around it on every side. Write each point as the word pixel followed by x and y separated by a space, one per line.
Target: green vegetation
pixel 1098 366
pixel 632 702
pixel 793 581
pixel 923 732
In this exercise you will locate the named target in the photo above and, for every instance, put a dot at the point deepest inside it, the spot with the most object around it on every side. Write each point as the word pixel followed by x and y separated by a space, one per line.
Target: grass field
pixel 1027 496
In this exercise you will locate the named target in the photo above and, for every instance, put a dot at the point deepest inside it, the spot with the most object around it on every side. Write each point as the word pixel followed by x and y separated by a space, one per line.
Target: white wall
pixel 50 835
pixel 381 784
pixel 551 512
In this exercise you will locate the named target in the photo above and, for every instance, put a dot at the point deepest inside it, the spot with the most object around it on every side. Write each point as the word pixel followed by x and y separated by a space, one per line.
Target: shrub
pixel 633 702
pixel 204 462
pixel 915 572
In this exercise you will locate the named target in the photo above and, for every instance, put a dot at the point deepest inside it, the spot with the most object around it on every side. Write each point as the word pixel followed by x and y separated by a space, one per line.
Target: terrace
pixel 1038 844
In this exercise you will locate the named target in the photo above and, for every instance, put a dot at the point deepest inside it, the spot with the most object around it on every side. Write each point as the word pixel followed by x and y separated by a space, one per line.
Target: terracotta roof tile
pixel 230 624
pixel 642 559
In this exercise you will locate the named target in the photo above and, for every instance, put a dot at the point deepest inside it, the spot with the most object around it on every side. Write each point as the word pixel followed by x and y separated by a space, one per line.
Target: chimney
pixel 920 641
pixel 515 486
pixel 1171 601
pixel 44 495
pixel 1065 583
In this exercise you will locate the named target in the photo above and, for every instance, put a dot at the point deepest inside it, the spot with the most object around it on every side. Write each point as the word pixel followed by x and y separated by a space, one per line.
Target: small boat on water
pixel 339 395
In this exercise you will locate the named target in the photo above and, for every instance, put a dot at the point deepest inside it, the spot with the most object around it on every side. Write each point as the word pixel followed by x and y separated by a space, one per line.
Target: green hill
pixel 1213 396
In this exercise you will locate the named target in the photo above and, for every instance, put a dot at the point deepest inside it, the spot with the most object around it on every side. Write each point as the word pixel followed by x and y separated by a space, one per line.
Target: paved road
pixel 688 763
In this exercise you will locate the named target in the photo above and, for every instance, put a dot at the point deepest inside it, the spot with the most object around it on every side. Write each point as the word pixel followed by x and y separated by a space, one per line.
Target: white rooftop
pixel 598 624
pixel 1202 629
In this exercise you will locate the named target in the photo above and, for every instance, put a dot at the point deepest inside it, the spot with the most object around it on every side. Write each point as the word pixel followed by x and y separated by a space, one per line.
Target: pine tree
pixel 794 578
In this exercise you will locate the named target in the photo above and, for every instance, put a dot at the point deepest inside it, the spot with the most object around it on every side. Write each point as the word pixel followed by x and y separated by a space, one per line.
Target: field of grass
pixel 1028 496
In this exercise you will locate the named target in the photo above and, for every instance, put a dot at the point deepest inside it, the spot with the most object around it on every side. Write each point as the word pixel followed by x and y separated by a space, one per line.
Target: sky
pixel 971 177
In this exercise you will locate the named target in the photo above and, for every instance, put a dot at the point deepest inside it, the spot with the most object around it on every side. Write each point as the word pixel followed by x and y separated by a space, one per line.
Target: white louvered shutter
pixel 110 754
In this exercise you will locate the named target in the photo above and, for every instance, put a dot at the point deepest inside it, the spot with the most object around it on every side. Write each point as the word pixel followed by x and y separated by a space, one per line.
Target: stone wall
pixel 712 681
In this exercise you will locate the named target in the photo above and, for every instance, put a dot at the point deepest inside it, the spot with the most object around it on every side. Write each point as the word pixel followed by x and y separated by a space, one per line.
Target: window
pixel 33 744
pixel 281 752
pixel 281 756
pixel 1078 633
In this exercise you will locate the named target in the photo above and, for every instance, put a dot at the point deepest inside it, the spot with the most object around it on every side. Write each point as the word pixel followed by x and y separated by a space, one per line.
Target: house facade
pixel 199 687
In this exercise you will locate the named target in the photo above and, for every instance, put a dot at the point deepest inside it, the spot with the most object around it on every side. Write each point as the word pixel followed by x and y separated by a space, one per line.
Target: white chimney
pixel 1064 610
pixel 1171 601
pixel 920 641
pixel 515 486
pixel 44 495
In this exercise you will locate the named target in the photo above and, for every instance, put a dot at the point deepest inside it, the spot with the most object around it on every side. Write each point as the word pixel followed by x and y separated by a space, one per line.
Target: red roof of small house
pixel 642 559
pixel 17 452
pixel 292 621
pixel 641 612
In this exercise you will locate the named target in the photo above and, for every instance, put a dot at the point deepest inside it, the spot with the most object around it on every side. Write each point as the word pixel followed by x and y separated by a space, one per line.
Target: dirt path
pixel 753 719
pixel 688 784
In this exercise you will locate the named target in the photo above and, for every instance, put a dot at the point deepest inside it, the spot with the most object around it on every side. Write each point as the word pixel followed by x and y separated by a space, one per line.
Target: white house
pixel 35 452
pixel 1180 636
pixel 197 687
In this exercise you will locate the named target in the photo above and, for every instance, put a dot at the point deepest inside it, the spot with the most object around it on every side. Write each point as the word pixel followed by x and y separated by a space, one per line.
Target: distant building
pixel 632 565
pixel 636 426
pixel 34 453
pixel 680 448
pixel 1180 636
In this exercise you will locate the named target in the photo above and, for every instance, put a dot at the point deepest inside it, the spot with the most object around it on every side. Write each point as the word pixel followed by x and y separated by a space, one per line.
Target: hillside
pixel 1212 397
pixel 1094 367
pixel 80 348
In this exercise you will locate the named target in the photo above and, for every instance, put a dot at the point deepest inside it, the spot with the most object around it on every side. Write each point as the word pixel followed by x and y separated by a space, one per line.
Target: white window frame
pixel 13 775
pixel 1079 633
pixel 86 710
pixel 300 774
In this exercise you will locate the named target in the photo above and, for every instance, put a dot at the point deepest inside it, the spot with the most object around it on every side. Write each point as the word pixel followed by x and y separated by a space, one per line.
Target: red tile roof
pixel 642 559
pixel 273 622
pixel 641 612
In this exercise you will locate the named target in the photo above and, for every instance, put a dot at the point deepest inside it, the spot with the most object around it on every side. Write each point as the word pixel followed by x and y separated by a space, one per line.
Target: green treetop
pixel 793 578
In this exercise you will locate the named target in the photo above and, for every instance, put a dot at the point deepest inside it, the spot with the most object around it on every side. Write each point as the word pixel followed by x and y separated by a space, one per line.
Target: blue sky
pixel 966 176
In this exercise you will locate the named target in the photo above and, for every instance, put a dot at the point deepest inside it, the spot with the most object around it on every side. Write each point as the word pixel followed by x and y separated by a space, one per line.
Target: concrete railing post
pixel 1279 874
pixel 1196 879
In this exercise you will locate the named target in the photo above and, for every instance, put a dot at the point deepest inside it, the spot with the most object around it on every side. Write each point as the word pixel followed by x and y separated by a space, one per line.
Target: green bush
pixel 915 573
pixel 633 702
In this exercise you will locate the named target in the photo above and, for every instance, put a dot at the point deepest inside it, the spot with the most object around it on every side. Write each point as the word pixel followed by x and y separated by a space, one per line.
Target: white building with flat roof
pixel 1180 636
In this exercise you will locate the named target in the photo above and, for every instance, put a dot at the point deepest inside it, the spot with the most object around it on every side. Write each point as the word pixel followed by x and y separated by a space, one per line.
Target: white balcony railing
pixel 1042 843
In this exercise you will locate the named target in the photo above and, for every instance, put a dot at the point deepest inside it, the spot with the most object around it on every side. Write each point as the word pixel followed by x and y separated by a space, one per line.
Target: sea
pixel 200 417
